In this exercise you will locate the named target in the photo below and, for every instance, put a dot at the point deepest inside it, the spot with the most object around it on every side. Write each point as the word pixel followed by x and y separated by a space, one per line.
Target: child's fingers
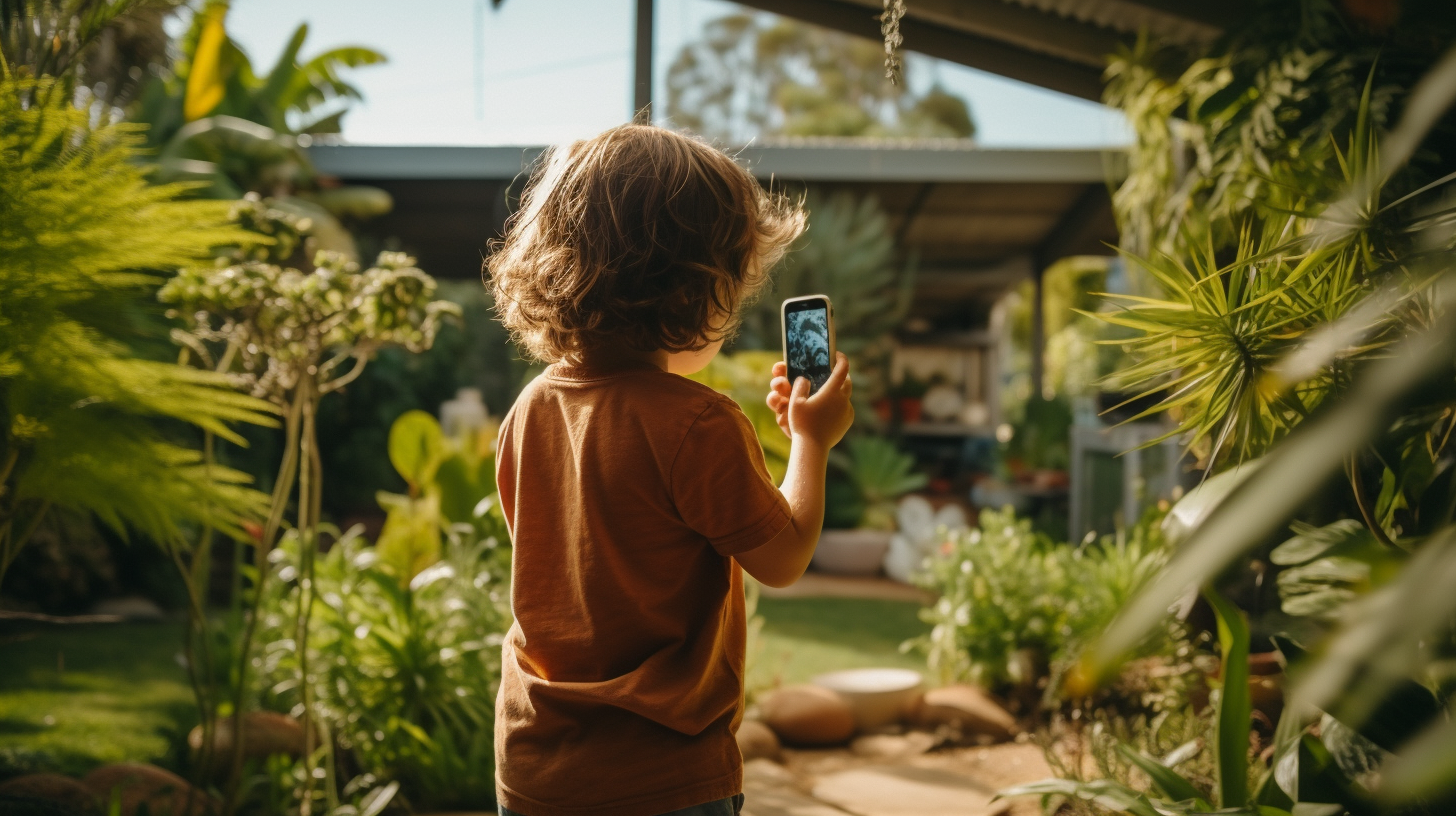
pixel 801 390
pixel 777 402
pixel 838 376
pixel 780 385
pixel 780 369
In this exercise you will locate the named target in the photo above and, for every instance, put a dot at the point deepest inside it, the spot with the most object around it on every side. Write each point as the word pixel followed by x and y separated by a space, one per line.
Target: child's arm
pixel 813 424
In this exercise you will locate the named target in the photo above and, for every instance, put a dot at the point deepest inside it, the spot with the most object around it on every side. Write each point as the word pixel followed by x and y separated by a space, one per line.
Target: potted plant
pixel 907 395
pixel 882 474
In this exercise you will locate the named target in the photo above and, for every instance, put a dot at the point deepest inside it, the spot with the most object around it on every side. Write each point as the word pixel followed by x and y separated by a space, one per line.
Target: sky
pixel 545 71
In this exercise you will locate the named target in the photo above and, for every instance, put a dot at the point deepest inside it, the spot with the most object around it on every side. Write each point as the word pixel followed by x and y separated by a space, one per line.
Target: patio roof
pixel 1057 44
pixel 978 220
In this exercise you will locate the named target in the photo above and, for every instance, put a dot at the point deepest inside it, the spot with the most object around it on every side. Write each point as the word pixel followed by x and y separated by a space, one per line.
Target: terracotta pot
pixel 1047 479
pixel 910 410
pixel 884 409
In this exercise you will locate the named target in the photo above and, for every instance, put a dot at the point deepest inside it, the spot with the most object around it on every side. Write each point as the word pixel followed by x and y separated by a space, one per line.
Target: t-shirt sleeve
pixel 720 485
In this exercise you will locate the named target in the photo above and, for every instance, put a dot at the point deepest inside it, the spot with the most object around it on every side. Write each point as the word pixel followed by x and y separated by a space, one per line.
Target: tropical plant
pixel 82 239
pixel 1379 666
pixel 214 121
pixel 404 662
pixel 1248 127
pixel 1175 793
pixel 451 482
pixel 1012 600
pixel 847 253
pixel 752 76
pixel 882 474
pixel 292 337
pixel 106 47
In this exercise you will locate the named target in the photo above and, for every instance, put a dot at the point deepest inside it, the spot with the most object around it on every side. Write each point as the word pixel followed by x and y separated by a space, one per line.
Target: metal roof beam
pixel 934 40
pixel 847 163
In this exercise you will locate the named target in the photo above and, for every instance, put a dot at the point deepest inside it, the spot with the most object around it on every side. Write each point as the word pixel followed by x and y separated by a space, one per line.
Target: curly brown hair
pixel 640 236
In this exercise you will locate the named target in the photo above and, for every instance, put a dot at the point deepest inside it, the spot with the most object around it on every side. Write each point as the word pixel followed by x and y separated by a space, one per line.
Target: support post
pixel 642 58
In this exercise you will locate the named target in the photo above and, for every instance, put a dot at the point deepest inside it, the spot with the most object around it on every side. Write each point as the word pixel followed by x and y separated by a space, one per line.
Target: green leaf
pixel 458 488
pixel 1172 784
pixel 1312 542
pixel 1235 709
pixel 1284 480
pixel 410 540
pixel 416 445
pixel 1426 769
pixel 1103 793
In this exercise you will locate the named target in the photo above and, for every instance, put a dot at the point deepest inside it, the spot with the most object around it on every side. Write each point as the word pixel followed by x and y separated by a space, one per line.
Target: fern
pixel 83 238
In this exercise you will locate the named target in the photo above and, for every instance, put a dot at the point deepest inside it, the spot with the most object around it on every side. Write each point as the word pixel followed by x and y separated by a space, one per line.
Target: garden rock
pixel 52 787
pixel 892 746
pixel 969 710
pixel 808 715
pixel 264 733
pixel 162 792
pixel 758 741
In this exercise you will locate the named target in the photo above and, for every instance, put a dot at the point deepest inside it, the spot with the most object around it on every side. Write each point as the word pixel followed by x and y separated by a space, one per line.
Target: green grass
pixel 804 637
pixel 72 697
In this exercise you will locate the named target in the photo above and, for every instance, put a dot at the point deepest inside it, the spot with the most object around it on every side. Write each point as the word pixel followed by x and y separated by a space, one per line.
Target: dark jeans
pixel 723 807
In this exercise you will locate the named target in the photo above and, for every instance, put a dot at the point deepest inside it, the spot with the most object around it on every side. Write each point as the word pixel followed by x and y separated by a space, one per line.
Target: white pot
pixel 878 697
pixel 851 552
pixel 903 559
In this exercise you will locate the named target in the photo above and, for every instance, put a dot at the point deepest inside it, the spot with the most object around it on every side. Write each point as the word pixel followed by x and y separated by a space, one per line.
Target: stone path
pixel 875 780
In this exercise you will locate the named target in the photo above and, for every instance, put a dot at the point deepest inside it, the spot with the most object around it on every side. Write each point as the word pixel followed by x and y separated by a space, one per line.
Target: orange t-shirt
pixel 626 492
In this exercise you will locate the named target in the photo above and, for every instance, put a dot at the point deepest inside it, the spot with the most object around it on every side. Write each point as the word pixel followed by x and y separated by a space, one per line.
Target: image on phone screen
pixel 806 333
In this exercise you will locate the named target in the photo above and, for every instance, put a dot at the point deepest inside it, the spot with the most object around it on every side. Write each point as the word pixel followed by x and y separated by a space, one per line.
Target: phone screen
pixel 806 342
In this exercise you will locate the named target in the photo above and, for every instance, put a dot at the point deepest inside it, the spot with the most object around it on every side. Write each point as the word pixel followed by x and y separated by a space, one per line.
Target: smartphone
pixel 808 329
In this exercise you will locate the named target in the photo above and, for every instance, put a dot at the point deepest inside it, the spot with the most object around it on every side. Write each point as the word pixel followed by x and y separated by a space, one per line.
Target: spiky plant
pixel 82 420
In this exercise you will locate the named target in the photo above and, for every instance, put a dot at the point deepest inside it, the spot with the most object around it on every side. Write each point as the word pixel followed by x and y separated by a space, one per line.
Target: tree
pixel 109 47
pixel 754 75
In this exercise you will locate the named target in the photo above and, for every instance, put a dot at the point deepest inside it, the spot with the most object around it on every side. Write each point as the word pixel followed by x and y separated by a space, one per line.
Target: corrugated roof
pixel 1058 44
pixel 1189 26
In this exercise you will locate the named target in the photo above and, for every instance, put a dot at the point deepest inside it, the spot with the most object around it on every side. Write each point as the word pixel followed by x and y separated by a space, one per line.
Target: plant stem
pixel 1352 471
pixel 307 543
pixel 12 543
pixel 282 489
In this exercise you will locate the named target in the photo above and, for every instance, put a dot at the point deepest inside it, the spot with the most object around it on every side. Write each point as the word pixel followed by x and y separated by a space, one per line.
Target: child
pixel 633 494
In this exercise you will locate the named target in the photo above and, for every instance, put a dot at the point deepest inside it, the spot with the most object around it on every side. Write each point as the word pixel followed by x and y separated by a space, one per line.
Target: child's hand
pixel 824 417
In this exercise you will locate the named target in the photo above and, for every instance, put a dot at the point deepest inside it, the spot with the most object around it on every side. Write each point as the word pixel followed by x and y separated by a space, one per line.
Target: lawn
pixel 804 637
pixel 75 696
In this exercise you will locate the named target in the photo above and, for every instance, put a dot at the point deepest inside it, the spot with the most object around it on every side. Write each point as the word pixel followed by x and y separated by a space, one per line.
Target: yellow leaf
pixel 205 85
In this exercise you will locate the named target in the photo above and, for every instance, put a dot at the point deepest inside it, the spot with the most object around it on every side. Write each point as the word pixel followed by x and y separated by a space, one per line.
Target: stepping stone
pixel 771 790
pixel 907 790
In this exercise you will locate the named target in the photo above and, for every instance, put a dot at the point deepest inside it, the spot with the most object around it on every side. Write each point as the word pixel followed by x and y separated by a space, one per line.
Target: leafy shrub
pixel 81 234
pixel 1011 598
pixel 881 474
pixel 403 670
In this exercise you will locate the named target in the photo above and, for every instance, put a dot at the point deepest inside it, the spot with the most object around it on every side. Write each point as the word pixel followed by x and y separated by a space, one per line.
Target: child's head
pixel 640 238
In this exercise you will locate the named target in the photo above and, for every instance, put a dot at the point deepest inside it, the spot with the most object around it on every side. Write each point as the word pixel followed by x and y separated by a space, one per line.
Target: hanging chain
pixel 890 30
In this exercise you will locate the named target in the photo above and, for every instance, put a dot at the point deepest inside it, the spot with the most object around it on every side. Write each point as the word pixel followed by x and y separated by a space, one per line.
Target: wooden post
pixel 642 87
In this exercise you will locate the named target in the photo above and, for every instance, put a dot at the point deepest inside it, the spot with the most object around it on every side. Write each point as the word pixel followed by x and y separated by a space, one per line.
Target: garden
pixel 252 558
